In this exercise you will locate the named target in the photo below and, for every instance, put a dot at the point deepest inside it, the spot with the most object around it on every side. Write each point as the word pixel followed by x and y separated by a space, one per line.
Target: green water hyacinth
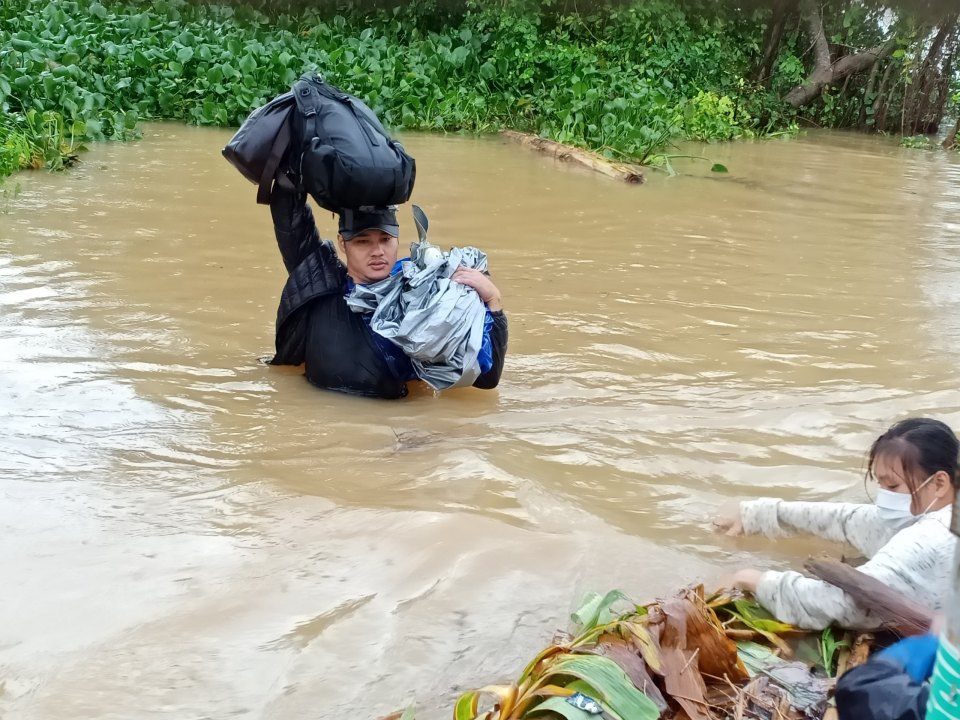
pixel 622 79
pixel 105 66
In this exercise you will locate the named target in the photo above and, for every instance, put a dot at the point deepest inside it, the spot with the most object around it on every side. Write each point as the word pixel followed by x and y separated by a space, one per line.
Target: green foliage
pixel 790 69
pixel 38 139
pixel 621 78
pixel 749 614
pixel 15 152
pixel 709 116
pixel 596 610
pixel 831 641
pixel 917 142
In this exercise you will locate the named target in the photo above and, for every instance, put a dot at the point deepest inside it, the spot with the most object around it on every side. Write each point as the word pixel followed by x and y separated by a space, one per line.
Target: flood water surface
pixel 186 532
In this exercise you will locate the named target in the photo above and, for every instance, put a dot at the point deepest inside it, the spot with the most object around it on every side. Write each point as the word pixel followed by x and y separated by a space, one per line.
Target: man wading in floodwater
pixel 316 327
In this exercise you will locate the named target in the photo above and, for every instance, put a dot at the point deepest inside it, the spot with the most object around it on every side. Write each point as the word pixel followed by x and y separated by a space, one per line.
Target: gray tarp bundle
pixel 437 321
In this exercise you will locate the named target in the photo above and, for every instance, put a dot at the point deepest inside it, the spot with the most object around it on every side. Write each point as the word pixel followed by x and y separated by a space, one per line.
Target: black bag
pixel 348 159
pixel 259 146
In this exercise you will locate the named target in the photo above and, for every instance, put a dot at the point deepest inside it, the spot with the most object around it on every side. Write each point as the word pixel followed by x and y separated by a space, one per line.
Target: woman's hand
pixel 747 579
pixel 482 284
pixel 729 522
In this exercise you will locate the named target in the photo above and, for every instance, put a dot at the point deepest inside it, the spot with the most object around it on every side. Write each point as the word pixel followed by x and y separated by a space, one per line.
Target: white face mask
pixel 895 507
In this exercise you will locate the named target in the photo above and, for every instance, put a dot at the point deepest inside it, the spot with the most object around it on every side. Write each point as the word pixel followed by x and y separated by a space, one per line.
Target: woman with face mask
pixel 904 533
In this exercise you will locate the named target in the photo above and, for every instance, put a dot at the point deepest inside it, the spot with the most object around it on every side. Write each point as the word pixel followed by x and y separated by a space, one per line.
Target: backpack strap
pixel 308 100
pixel 398 186
pixel 277 151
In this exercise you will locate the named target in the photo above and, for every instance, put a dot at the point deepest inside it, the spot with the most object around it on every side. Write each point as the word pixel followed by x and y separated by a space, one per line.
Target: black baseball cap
pixel 355 221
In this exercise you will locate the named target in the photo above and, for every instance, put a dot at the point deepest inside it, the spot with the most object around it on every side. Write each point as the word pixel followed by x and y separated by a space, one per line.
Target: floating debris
pixel 688 657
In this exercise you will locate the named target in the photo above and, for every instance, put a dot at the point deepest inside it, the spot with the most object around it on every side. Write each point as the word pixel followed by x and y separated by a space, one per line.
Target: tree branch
pixel 834 72
pixel 821 47
pixel 896 612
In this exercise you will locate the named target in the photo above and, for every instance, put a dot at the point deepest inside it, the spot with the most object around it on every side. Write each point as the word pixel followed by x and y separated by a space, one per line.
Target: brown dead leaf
pixel 849 657
pixel 690 624
pixel 684 683
pixel 861 649
pixel 626 655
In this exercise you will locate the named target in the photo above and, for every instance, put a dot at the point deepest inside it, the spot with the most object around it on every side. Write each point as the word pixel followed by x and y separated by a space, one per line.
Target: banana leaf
pixel 675 658
pixel 613 689
pixel 595 610
pixel 559 706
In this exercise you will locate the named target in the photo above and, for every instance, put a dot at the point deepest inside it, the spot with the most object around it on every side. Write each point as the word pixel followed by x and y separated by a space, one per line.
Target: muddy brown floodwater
pixel 187 533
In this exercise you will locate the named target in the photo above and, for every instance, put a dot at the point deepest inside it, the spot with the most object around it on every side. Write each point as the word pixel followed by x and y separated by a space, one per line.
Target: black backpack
pixel 321 140
pixel 261 143
pixel 348 159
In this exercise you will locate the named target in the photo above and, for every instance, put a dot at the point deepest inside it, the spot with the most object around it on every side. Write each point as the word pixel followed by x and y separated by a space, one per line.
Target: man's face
pixel 371 255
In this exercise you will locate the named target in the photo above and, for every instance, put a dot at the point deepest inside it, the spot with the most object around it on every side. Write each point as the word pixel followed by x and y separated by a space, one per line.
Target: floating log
pixel 896 612
pixel 567 153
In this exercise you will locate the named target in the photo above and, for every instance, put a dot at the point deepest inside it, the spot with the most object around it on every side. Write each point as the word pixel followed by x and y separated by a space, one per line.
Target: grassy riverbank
pixel 624 80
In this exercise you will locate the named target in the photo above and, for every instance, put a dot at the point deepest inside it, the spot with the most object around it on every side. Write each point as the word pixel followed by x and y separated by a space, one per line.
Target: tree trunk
pixel 826 71
pixel 943 92
pixel 841 98
pixel 772 38
pixel 917 105
pixel 896 612
pixel 881 104
pixel 846 85
pixel 951 139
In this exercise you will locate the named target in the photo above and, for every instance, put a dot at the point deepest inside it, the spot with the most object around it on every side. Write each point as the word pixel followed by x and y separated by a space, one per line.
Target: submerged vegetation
pixel 621 78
